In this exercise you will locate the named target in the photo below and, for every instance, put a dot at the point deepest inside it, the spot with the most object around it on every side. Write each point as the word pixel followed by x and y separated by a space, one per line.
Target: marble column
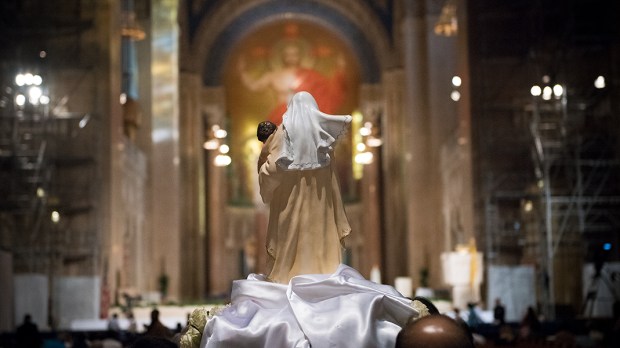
pixel 222 261
pixel 193 211
pixel 109 114
pixel 464 120
pixel 394 211
pixel 165 172
pixel 372 107
pixel 416 146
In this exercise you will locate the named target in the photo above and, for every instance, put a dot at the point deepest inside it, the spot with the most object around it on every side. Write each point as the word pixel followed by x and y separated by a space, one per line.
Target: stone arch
pixel 212 41
pixel 217 33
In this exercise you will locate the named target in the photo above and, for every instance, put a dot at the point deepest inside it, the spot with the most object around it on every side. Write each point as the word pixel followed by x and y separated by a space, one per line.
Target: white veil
pixel 309 134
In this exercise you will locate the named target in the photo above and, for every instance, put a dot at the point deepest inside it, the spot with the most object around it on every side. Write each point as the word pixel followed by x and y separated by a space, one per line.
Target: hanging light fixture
pixel 447 24
pixel 216 142
pixel 367 136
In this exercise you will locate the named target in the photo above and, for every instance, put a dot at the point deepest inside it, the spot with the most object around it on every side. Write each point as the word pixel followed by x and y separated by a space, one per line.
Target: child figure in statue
pixel 307 221
pixel 264 130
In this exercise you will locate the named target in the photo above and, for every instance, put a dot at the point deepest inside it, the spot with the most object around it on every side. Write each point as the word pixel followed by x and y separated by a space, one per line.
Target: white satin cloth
pixel 318 310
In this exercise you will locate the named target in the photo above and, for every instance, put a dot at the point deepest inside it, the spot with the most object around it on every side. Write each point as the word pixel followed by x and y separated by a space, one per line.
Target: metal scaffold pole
pixel 550 273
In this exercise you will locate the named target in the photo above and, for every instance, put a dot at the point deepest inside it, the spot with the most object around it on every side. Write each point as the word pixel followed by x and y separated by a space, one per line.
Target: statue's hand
pixel 192 334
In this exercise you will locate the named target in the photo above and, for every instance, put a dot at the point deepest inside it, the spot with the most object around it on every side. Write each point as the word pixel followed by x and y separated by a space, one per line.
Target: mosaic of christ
pixel 265 69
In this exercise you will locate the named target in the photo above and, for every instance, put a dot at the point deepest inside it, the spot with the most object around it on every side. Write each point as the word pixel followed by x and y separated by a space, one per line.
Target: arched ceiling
pixel 220 28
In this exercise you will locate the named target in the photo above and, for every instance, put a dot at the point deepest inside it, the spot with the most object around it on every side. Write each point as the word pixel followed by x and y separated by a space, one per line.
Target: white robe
pixel 307 221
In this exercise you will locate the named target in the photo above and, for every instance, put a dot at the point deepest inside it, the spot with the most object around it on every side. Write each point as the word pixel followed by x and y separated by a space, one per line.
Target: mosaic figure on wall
pixel 265 70
pixel 288 75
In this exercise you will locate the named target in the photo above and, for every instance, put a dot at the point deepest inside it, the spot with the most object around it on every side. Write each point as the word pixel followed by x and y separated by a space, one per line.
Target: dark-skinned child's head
pixel 264 130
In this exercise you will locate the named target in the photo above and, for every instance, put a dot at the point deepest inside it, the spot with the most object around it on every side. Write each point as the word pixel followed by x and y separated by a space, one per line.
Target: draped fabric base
pixel 318 310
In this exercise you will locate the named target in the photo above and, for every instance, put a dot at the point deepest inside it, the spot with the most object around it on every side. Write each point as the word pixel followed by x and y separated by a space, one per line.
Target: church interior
pixel 482 161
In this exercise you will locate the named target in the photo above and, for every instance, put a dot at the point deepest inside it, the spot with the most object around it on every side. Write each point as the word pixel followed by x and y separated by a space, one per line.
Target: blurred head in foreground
pixel 434 331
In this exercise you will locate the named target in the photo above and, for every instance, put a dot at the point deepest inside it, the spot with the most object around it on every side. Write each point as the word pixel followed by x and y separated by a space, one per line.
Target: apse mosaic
pixel 263 72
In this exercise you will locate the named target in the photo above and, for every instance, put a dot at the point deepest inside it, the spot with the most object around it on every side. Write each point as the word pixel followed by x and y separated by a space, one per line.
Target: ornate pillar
pixel 464 119
pixel 394 211
pixel 108 89
pixel 417 183
pixel 165 190
pixel 372 107
pixel 193 270
pixel 222 263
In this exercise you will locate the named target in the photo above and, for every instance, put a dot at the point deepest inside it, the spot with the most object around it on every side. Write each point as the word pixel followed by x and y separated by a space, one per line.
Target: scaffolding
pixel 43 196
pixel 48 155
pixel 579 197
